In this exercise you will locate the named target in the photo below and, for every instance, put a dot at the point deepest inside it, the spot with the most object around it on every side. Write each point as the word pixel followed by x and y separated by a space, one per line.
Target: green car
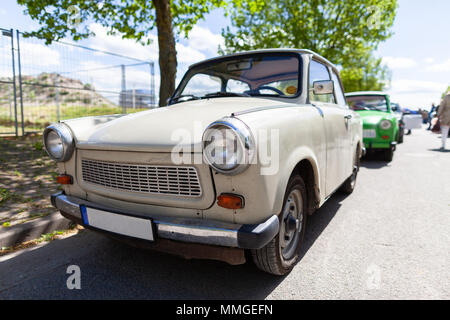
pixel 380 126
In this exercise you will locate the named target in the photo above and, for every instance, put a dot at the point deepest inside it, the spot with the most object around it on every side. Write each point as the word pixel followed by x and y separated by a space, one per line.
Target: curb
pixel 33 229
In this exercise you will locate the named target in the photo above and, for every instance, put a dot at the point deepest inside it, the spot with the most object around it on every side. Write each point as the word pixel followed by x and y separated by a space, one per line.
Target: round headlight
pixel 385 124
pixel 228 146
pixel 58 142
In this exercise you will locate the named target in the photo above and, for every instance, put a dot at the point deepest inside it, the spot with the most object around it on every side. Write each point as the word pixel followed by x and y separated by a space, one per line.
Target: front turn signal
pixel 64 179
pixel 230 201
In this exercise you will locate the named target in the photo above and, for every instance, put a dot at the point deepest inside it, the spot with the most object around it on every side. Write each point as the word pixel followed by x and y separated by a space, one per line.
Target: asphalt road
pixel 390 239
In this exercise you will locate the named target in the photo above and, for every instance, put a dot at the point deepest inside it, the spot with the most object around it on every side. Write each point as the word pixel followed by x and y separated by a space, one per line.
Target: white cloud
pixel 188 55
pixel 440 67
pixel 416 93
pixel 428 60
pixel 399 62
pixel 32 54
pixel 203 39
pixel 126 47
pixel 412 86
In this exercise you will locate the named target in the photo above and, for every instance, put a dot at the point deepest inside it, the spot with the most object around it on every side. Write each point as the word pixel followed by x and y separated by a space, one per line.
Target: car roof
pixel 300 51
pixel 366 93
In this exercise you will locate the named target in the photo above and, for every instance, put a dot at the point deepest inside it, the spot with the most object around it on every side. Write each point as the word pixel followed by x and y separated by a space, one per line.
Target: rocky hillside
pixel 41 90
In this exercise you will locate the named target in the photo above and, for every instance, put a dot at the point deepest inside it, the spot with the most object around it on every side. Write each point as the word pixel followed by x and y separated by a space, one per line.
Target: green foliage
pixel 38 146
pixel 446 92
pixel 5 195
pixel 133 19
pixel 344 31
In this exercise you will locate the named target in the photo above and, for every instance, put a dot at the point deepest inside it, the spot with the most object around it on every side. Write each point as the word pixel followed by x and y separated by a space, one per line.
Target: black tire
pixel 350 184
pixel 401 134
pixel 389 155
pixel 272 258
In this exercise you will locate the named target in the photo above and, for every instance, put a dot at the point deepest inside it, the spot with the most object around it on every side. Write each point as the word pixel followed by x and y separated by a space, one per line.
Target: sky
pixel 418 53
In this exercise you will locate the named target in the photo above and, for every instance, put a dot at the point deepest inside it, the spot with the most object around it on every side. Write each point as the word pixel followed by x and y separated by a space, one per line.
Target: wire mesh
pixel 65 80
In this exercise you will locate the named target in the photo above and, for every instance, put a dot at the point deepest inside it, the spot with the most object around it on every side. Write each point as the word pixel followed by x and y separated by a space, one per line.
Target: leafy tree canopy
pixel 133 19
pixel 446 92
pixel 344 31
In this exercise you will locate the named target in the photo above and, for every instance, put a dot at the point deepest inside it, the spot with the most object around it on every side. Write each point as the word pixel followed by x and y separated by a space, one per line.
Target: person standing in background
pixel 430 115
pixel 444 118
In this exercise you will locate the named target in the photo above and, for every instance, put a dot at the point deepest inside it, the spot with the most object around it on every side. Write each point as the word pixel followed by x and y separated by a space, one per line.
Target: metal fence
pixel 41 84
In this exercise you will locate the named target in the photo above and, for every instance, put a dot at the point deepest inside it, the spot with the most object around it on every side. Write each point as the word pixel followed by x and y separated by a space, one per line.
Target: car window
pixel 259 74
pixel 318 72
pixel 368 102
pixel 237 86
pixel 339 93
pixel 201 84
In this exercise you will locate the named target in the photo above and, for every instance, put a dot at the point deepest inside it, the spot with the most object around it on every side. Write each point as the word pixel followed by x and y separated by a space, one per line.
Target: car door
pixel 336 127
pixel 350 122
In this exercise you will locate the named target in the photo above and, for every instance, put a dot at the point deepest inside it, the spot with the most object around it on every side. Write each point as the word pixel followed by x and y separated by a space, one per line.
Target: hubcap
pixel 291 224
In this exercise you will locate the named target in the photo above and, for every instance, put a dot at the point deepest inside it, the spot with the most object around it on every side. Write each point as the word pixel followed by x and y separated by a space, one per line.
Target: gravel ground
pixel 388 240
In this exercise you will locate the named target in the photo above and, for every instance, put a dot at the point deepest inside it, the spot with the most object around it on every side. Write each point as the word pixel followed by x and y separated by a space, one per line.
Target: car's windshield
pixel 262 74
pixel 377 103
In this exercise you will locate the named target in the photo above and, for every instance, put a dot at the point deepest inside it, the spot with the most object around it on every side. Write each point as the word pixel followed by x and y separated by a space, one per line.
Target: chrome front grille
pixel 171 180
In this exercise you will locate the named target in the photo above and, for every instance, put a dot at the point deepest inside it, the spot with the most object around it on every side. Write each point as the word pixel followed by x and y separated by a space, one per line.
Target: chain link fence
pixel 41 84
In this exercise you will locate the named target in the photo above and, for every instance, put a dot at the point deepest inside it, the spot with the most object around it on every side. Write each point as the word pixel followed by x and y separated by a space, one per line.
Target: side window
pixel 338 91
pixel 318 72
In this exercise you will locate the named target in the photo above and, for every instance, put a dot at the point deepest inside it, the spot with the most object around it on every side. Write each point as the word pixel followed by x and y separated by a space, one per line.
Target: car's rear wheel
pixel 281 254
pixel 401 134
pixel 350 184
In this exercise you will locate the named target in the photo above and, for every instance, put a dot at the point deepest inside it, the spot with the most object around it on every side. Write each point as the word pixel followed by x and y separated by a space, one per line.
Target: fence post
pixel 14 82
pixel 56 85
pixel 152 84
pixel 123 90
pixel 20 82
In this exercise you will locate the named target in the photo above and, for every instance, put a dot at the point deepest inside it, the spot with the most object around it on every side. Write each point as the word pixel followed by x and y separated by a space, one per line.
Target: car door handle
pixel 348 117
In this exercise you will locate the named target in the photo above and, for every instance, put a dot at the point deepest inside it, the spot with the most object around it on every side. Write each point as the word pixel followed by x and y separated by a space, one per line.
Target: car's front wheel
pixel 280 255
pixel 389 154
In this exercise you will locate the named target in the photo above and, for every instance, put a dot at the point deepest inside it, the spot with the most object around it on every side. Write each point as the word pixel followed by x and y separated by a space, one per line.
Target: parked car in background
pixel 380 126
pixel 249 146
pixel 397 109
pixel 412 120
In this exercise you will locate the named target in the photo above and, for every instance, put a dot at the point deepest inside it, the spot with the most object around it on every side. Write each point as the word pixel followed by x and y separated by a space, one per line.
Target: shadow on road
pixel 373 163
pixel 439 150
pixel 113 270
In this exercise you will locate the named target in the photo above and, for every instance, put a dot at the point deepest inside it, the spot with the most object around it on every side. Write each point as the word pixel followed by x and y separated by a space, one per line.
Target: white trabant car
pixel 249 145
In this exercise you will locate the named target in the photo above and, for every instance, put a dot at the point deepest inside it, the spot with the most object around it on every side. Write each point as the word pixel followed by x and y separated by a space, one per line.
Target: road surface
pixel 390 239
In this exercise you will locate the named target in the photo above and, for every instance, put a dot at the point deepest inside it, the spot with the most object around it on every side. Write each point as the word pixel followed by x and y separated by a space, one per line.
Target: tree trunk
pixel 167 50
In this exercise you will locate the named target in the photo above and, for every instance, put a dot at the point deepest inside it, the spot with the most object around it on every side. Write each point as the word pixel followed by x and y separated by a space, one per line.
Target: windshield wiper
pixel 225 94
pixel 191 96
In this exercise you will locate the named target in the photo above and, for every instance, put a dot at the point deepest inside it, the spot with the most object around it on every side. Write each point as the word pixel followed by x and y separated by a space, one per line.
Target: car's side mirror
pixel 323 87
pixel 394 109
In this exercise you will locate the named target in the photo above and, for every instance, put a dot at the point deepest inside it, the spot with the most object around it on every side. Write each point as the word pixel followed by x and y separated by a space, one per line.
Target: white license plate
pixel 118 223
pixel 369 134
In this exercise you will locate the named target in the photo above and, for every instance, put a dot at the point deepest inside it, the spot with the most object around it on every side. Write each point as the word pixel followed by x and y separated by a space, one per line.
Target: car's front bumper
pixel 371 144
pixel 247 236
